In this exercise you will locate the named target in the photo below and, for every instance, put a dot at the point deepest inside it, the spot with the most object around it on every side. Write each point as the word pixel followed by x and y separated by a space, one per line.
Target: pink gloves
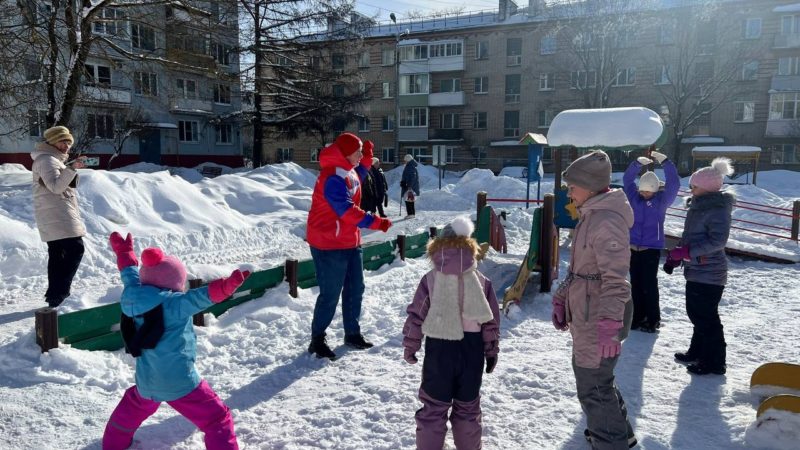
pixel 123 248
pixel 559 314
pixel 380 224
pixel 219 290
pixel 608 346
pixel 679 253
pixel 409 355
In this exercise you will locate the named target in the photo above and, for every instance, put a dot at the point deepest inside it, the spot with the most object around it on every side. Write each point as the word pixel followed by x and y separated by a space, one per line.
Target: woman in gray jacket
pixel 702 252
pixel 55 207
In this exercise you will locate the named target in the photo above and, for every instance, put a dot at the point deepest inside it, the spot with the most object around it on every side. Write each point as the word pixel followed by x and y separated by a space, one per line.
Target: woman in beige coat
pixel 55 206
pixel 594 301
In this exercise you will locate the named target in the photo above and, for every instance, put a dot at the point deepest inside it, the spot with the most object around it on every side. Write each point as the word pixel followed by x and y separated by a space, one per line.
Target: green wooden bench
pixel 376 255
pixel 415 245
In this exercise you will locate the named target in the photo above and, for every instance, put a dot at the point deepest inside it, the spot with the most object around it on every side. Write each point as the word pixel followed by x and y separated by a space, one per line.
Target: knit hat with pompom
pixel 460 226
pixel 710 178
pixel 163 271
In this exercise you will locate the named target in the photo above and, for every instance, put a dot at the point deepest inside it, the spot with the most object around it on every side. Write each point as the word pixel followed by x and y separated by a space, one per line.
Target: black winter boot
pixel 319 346
pixel 685 358
pixel 357 341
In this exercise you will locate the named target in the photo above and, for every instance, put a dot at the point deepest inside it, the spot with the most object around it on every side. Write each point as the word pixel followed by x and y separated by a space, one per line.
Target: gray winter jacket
pixel 55 202
pixel 705 231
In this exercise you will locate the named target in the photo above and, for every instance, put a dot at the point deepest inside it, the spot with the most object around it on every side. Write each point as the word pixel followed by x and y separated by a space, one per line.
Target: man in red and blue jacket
pixel 334 235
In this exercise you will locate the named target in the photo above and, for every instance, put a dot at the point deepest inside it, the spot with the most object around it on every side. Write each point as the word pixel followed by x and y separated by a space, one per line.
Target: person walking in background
pixel 409 185
pixel 701 250
pixel 381 186
pixel 594 301
pixel 369 193
pixel 649 203
pixel 456 310
pixel 157 329
pixel 334 235
pixel 55 208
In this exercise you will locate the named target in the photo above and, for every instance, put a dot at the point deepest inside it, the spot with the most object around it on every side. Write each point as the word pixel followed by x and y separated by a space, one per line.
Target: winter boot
pixel 705 369
pixel 632 441
pixel 319 346
pixel 466 421
pixel 685 358
pixel 357 341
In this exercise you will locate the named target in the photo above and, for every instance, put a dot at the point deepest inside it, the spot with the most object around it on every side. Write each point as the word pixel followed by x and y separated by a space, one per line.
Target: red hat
pixel 160 270
pixel 348 143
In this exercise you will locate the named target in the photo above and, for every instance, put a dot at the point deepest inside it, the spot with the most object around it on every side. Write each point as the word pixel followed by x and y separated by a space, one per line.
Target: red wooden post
pixel 548 248
pixel 401 246
pixel 46 324
pixel 198 319
pixel 795 219
pixel 291 276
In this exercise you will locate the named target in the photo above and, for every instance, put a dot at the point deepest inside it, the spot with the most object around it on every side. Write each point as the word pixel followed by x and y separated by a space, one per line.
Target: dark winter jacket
pixel 410 178
pixel 648 215
pixel 369 196
pixel 705 231
pixel 381 186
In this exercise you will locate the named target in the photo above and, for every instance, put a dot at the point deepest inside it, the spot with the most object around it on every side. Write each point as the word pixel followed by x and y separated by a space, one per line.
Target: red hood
pixel 331 157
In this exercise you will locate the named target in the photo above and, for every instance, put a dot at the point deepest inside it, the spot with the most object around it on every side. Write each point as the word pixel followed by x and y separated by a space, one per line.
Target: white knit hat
pixel 649 182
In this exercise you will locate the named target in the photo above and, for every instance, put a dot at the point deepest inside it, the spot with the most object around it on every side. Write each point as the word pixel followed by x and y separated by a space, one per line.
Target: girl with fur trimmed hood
pixel 456 308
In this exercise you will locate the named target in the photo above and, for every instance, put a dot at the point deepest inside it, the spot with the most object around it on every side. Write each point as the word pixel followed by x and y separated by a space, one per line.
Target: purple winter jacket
pixel 451 261
pixel 648 215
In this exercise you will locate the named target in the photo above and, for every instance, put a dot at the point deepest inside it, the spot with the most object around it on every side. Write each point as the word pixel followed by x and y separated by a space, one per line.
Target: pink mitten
pixel 219 290
pixel 559 314
pixel 680 253
pixel 123 248
pixel 608 346
pixel 409 355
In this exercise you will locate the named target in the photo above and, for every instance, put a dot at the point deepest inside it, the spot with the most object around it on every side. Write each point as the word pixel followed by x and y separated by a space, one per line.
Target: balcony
pixel 787 40
pixel 446 99
pixel 106 94
pixel 191 105
pixel 513 60
pixel 785 83
pixel 418 134
pixel 438 64
pixel 782 128
pixel 447 134
pixel 192 59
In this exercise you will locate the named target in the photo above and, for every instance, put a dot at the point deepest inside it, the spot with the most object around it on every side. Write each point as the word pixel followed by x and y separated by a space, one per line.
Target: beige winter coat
pixel 55 202
pixel 597 286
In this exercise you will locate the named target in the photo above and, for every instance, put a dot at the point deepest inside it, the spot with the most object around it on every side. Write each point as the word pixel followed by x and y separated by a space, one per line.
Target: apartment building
pixel 475 83
pixel 160 83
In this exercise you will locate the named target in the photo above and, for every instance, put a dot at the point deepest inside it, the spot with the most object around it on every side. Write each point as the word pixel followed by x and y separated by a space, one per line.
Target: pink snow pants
pixel 202 407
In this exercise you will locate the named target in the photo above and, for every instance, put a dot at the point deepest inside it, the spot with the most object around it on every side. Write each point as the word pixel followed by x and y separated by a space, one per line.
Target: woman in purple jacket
pixel 456 308
pixel 649 205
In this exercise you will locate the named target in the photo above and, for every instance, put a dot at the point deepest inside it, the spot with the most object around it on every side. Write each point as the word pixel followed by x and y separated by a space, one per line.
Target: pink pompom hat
pixel 163 271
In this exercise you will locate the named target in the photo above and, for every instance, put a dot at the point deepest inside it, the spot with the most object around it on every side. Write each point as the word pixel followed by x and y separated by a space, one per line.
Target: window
pixel 97 75
pixel 363 124
pixel 449 121
pixel 37 122
pixel 222 94
pixel 414 84
pixel 784 106
pixel 387 123
pixel 224 133
pixel 744 111
pixel 750 71
pixel 284 155
pixel 106 21
pixel 314 157
pixel 666 34
pixel 443 50
pixel 751 28
pixel 314 62
pixel 363 59
pixel 625 77
pixel 785 154
pixel 482 50
pixel 547 81
pixel 513 88
pixel 413 52
pixel 414 117
pixel 547 46
pixel 145 83
pixel 33 71
pixel 143 37
pixel 388 89
pixel 513 51
pixel 337 61
pixel 545 118
pixel 511 124
pixel 388 154
pixel 222 53
pixel 790 24
pixel 661 75
pixel 479 122
pixel 789 65
pixel 188 131
pixel 581 79
pixel 626 38
pixel 704 71
pixel 363 88
pixel 450 85
pixel 583 41
pixel 387 57
pixel 186 88
pixel 481 85
pixel 707 33
pixel 337 90
pixel 421 154
pixel 100 126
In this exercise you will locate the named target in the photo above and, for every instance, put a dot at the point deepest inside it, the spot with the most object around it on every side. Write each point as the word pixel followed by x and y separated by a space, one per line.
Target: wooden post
pixel 432 232
pixel 557 169
pixel 795 219
pixel 481 205
pixel 401 246
pixel 291 276
pixel 46 324
pixel 198 319
pixel 755 168
pixel 546 245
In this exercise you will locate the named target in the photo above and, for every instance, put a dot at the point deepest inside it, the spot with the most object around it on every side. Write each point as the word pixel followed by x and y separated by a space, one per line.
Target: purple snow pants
pixel 202 407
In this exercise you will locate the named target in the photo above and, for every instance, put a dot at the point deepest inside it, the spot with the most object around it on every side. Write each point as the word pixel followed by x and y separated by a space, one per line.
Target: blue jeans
pixel 339 272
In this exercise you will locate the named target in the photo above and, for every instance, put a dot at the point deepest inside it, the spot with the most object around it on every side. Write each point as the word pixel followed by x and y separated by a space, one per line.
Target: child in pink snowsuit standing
pixel 158 331
pixel 456 309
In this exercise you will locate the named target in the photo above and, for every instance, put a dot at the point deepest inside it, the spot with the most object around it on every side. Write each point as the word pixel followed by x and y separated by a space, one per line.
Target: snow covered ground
pixel 255 356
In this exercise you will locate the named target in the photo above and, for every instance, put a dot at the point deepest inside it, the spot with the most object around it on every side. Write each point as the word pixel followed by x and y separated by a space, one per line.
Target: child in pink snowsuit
pixel 456 309
pixel 157 327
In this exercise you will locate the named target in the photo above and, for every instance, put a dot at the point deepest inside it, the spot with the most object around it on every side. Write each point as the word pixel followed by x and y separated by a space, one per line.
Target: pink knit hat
pixel 160 270
pixel 710 178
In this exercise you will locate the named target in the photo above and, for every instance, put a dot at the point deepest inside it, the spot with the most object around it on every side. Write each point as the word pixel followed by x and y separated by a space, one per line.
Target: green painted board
pixel 108 341
pixel 482 232
pixel 100 318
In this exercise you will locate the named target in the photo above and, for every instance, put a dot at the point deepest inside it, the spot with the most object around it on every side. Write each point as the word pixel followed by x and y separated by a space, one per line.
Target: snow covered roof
pixel 608 128
pixel 533 138
pixel 725 149
pixel 702 140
